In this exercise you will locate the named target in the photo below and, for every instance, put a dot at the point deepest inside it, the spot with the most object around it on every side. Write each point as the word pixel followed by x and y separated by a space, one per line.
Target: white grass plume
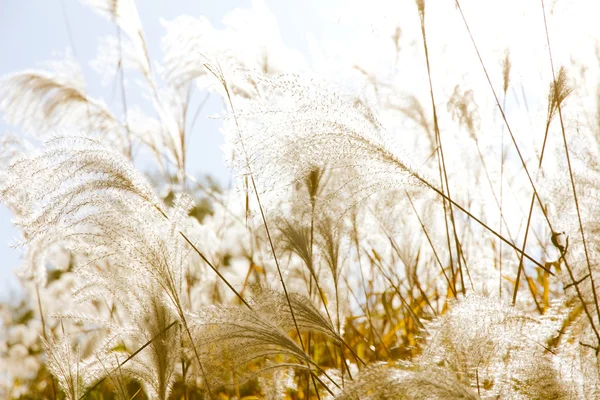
pixel 237 341
pixel 273 305
pixel 406 382
pixel 91 199
pixel 40 101
pixel 298 126
pixel 496 349
pixel 74 375
pixel 124 13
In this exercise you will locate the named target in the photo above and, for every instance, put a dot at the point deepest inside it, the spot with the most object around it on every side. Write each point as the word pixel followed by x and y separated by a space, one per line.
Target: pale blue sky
pixel 34 31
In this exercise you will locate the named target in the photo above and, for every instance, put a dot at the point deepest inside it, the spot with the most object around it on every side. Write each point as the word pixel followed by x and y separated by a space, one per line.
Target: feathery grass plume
pixel 138 316
pixel 313 182
pixel 57 202
pixel 40 101
pixel 124 13
pixel 310 229
pixel 185 46
pixel 491 346
pixel 236 342
pixel 330 244
pixel 54 206
pixel 91 198
pixel 12 147
pixel 249 39
pixel 506 65
pixel 576 282
pixel 278 383
pixel 406 381
pixel 298 125
pixel 463 107
pixel 559 91
pixel 74 375
pixel 296 238
pixel 273 305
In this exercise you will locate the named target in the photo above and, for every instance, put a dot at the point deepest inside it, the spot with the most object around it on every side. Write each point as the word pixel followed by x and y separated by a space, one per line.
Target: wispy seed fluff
pixel 293 126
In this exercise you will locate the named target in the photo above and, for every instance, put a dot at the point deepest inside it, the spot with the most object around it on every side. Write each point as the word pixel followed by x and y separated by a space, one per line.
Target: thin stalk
pixel 262 213
pixel 516 289
pixel 310 280
pixel 483 224
pixel 135 353
pixel 123 96
pixel 39 302
pixel 536 194
pixel 564 136
pixel 364 286
pixel 524 165
pixel 183 368
pixel 501 203
pixel 402 299
pixel 372 330
pixel 310 275
pixel 441 159
pixel 223 279
pixel 431 244
pixel 185 325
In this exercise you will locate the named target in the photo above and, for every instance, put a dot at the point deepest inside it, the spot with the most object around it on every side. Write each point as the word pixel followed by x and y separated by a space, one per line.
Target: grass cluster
pixel 377 242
